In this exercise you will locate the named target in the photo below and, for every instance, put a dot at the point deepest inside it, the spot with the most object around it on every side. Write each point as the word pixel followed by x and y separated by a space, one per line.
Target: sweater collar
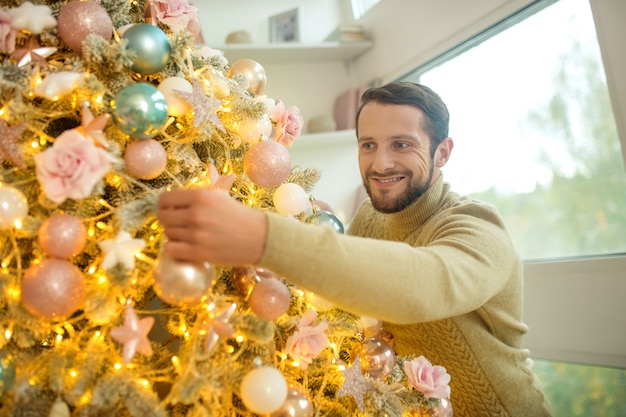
pixel 420 210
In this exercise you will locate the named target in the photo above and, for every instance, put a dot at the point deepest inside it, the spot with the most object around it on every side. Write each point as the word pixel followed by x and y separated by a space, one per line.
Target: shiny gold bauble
pixel 182 283
pixel 253 72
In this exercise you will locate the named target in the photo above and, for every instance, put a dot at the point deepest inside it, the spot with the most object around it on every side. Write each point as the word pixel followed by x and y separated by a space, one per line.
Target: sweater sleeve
pixel 466 263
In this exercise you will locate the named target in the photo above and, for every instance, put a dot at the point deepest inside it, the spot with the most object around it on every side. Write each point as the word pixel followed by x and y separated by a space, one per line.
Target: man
pixel 439 269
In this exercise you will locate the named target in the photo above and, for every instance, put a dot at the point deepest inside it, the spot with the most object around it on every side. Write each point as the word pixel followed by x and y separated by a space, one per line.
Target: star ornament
pixel 217 325
pixel 8 143
pixel 203 106
pixel 133 335
pixel 219 182
pixel 33 52
pixel 94 127
pixel 121 250
pixel 355 384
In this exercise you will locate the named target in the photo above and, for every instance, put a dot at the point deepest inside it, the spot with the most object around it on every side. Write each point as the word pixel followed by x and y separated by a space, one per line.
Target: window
pixel 534 131
pixel 360 7
pixel 535 134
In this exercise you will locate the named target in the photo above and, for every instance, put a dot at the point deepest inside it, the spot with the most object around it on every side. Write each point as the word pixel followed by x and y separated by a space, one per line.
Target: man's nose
pixel 383 161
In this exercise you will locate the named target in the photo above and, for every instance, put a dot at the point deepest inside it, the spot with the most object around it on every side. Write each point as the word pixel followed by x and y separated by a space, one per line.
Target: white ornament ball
pixel 290 200
pixel 252 131
pixel 13 207
pixel 176 105
pixel 263 390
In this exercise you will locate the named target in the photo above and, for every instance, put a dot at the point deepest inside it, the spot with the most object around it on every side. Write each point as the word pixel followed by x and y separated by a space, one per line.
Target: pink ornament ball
pixel 297 404
pixel 145 159
pixel 62 236
pixel 53 289
pixel 79 19
pixel 269 299
pixel 267 163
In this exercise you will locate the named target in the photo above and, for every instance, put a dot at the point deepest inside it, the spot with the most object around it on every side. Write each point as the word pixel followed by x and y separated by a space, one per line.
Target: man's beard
pixel 412 193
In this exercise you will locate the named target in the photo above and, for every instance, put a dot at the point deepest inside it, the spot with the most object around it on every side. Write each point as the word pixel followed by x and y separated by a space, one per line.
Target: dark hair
pixel 416 95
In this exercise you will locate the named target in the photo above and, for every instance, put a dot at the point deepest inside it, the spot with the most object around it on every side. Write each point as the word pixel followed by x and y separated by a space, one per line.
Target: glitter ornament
pixel 151 45
pixel 269 299
pixel 140 110
pixel 53 289
pixel 145 159
pixel 290 200
pixel 13 207
pixel 182 283
pixel 176 105
pixel 252 131
pixel 252 71
pixel 263 390
pixel 325 218
pixel 7 372
pixel 267 163
pixel 79 19
pixel 62 235
pixel 354 384
pixel 297 404
pixel 377 357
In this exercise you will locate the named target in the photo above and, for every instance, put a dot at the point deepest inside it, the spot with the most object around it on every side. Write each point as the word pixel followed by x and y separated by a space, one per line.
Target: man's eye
pixel 401 145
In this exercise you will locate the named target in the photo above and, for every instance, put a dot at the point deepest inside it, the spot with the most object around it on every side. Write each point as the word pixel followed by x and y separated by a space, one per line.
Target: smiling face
pixel 395 158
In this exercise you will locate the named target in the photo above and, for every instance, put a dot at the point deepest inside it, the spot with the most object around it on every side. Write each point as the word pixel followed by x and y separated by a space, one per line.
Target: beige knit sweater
pixel 448 287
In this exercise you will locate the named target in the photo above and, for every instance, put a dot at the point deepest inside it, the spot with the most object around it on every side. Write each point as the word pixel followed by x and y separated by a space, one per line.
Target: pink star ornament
pixel 133 335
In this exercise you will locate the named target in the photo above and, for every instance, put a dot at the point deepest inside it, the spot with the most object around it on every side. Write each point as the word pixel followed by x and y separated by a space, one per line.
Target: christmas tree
pixel 104 105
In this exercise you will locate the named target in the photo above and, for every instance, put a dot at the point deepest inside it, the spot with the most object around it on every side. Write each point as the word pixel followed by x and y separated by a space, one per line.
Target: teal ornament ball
pixel 7 372
pixel 325 218
pixel 152 47
pixel 140 110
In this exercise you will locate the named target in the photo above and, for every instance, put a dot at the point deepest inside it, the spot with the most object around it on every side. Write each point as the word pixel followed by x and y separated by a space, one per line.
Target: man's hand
pixel 210 226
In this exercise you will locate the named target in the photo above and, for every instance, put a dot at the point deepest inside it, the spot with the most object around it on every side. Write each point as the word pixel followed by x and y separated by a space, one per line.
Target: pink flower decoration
pixel 7 33
pixel 178 15
pixel 308 341
pixel 432 381
pixel 288 123
pixel 71 167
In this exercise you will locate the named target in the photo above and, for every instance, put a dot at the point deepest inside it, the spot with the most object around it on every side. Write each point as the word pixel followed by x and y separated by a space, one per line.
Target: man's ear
pixel 443 152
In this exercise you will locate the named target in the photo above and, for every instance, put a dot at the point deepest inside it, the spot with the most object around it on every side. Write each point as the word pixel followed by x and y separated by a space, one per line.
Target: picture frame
pixel 285 27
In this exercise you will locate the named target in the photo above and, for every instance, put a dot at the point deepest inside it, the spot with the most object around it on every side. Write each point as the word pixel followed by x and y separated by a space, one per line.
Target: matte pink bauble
pixel 53 289
pixel 62 235
pixel 78 19
pixel 269 299
pixel 267 163
pixel 145 158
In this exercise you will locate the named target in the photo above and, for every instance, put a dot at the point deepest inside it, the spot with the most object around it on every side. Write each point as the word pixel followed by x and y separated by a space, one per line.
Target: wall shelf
pixel 325 140
pixel 294 53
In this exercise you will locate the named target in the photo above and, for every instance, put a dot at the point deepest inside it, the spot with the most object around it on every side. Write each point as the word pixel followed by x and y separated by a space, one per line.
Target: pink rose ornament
pixel 432 381
pixel 287 123
pixel 308 340
pixel 71 167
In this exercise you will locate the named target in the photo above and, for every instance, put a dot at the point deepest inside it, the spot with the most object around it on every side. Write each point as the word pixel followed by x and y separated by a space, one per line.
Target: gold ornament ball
pixel 376 356
pixel 253 72
pixel 297 404
pixel 182 283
